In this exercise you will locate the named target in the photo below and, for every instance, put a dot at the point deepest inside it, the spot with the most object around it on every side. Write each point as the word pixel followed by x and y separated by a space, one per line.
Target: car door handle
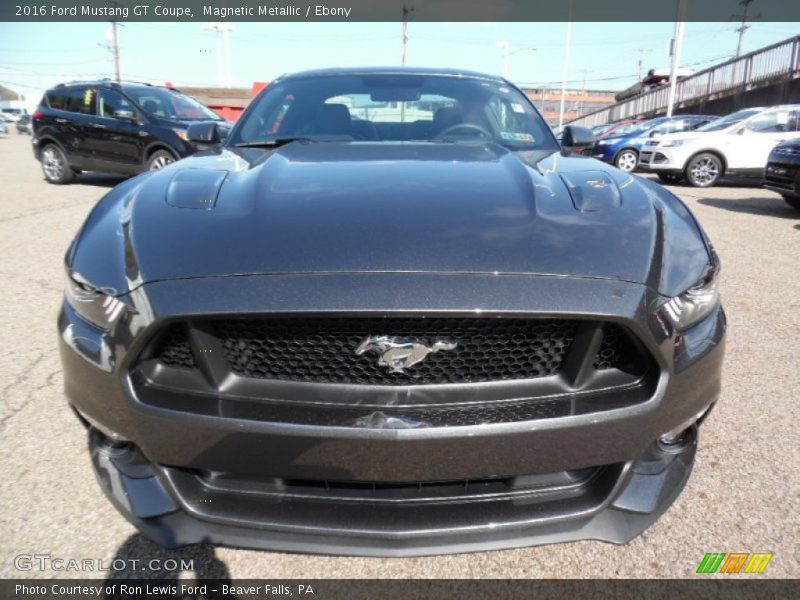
pixel 98 126
pixel 61 120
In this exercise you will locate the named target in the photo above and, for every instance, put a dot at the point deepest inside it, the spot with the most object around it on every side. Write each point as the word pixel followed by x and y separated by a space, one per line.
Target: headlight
pixel 668 143
pixel 604 142
pixel 92 304
pixel 694 305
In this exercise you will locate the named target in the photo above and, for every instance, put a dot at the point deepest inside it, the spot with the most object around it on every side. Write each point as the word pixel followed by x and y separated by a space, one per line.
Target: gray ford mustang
pixel 390 315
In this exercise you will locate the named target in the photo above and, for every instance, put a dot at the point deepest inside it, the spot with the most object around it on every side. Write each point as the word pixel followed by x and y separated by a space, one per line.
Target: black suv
pixel 116 128
pixel 782 174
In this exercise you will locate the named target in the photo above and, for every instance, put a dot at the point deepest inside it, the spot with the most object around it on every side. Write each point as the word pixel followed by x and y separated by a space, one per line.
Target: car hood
pixel 361 207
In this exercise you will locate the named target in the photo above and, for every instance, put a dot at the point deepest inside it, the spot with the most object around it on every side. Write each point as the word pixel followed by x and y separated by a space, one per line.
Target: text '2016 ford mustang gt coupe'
pixel 389 315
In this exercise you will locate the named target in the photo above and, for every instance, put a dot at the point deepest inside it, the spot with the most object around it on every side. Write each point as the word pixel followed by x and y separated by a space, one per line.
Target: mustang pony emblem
pixel 398 355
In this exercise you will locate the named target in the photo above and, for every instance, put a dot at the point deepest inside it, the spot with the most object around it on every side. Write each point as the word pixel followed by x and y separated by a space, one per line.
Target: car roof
pixel 329 72
pixel 108 83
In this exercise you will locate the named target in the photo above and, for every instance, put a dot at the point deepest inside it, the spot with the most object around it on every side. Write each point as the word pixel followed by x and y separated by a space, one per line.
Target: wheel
pixel 703 170
pixel 159 159
pixel 54 165
pixel 627 160
pixel 793 201
pixel 670 177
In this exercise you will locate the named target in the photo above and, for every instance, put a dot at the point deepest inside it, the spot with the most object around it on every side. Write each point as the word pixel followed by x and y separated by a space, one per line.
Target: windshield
pixel 625 129
pixel 727 121
pixel 638 127
pixel 394 108
pixel 164 103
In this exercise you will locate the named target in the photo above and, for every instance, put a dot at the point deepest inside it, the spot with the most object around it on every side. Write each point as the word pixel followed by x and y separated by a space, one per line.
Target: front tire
pixel 627 160
pixel 703 170
pixel 54 165
pixel 159 159
pixel 792 201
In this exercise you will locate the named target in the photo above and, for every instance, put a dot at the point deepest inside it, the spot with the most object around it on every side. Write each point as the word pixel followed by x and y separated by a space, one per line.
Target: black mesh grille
pixel 173 348
pixel 402 417
pixel 615 351
pixel 323 349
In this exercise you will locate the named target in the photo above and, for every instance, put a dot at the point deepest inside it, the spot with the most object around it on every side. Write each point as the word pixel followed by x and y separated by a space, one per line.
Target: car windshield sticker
pixel 517 137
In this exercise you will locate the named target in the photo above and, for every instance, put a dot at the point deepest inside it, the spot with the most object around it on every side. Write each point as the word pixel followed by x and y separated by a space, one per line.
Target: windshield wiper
pixel 273 143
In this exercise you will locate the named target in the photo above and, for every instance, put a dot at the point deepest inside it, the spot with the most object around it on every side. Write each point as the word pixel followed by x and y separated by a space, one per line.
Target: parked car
pixel 782 174
pixel 11 115
pixel 620 127
pixel 3 127
pixel 24 125
pixel 737 144
pixel 342 332
pixel 622 148
pixel 116 128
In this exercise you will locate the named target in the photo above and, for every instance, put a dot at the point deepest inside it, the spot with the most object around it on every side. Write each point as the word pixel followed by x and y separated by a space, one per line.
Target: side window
pixel 794 121
pixel 153 106
pixel 80 100
pixel 779 121
pixel 671 127
pixel 109 101
pixel 56 99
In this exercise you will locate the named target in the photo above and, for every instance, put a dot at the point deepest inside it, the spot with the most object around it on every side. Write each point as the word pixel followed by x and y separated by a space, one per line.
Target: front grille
pixel 562 482
pixel 615 351
pixel 173 348
pixel 550 368
pixel 322 350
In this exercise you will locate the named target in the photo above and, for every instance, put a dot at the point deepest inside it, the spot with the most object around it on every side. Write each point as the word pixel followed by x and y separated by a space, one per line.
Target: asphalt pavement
pixel 744 494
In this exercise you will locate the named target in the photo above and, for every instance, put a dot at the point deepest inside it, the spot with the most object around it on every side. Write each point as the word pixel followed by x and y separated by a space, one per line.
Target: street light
pixel 507 54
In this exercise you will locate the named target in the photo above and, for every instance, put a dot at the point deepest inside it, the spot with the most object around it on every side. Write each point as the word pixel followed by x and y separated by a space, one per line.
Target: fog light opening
pixel 109 438
pixel 675 437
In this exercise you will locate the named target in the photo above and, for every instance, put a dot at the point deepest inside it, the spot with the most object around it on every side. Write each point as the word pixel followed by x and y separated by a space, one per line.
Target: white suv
pixel 737 144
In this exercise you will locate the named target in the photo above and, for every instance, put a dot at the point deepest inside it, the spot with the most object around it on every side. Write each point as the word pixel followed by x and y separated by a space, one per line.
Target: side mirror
pixel 655 133
pixel 205 132
pixel 125 115
pixel 577 138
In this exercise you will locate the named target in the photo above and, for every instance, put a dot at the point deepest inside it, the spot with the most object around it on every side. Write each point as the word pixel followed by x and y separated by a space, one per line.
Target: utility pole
pixel 641 52
pixel 115 43
pixel 583 91
pixel 223 52
pixel 744 26
pixel 504 45
pixel 112 42
pixel 675 51
pixel 565 70
pixel 406 16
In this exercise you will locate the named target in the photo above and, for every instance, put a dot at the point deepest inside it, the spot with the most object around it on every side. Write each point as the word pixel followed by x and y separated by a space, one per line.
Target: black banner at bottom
pixel 356 589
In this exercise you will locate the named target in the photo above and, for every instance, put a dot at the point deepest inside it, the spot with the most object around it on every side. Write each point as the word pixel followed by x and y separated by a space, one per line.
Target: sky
pixel 35 56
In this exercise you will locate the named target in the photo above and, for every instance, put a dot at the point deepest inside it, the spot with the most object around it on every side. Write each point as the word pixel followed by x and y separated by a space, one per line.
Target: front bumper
pixel 783 177
pixel 606 153
pixel 176 509
pixel 189 477
pixel 661 159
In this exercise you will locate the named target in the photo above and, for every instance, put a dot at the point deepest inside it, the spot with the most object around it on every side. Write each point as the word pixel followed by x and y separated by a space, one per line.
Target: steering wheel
pixel 467 126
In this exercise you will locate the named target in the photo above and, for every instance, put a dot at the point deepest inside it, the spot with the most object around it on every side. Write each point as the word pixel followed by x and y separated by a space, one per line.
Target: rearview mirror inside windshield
pixel 403 94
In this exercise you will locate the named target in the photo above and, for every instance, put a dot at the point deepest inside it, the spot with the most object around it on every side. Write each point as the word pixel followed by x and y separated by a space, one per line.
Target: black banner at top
pixel 392 10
